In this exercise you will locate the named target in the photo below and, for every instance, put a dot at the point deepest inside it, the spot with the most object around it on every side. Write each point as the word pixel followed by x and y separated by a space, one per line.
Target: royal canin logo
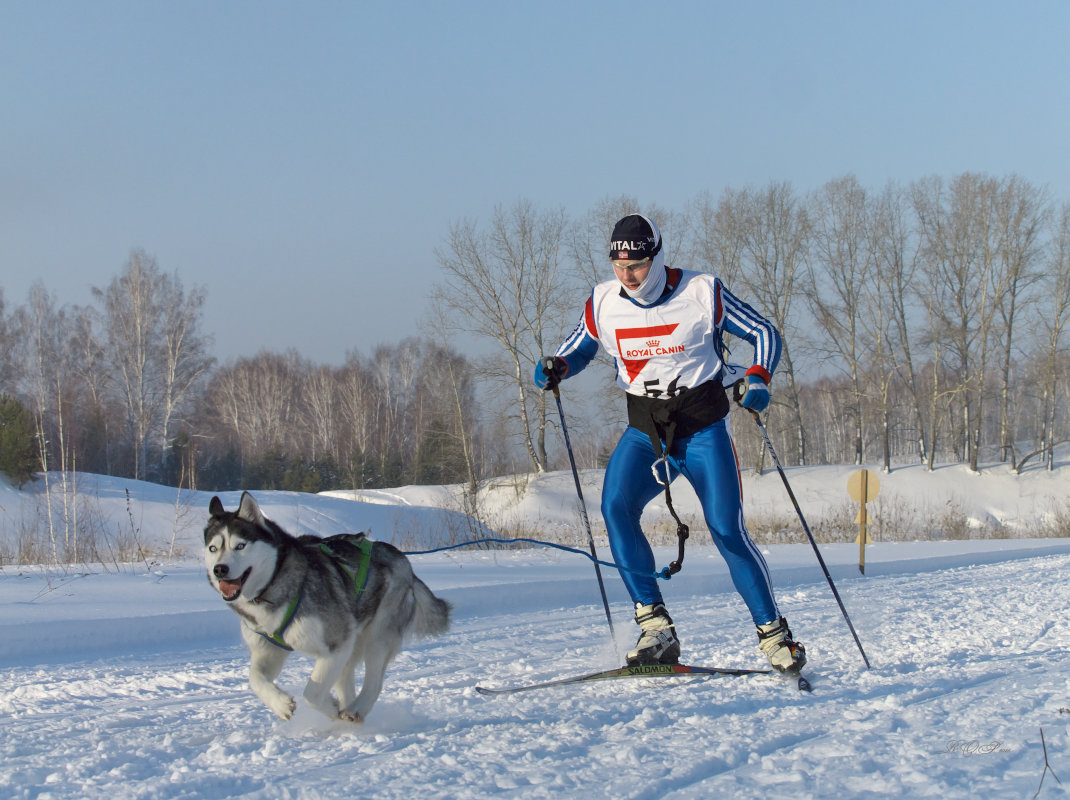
pixel 648 344
pixel 655 350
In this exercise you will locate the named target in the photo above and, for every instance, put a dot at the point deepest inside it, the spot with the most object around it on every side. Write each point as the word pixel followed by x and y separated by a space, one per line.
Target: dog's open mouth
pixel 230 589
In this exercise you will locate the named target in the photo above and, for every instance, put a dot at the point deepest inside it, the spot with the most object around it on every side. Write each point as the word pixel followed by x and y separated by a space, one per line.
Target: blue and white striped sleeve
pixel 581 346
pixel 739 319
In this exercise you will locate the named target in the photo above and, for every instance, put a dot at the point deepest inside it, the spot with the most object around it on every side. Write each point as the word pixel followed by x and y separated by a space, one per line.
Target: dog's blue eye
pixel 239 546
pixel 212 548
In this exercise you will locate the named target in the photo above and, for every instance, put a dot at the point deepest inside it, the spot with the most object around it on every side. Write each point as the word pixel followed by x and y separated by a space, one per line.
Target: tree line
pixel 921 322
pixel 127 387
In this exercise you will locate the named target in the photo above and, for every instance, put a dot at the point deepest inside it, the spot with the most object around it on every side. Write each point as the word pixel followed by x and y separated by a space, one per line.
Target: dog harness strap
pixel 365 563
pixel 291 612
pixel 360 577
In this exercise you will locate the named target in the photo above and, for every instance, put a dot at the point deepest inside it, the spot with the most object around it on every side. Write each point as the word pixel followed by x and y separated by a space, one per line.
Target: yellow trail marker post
pixel 862 486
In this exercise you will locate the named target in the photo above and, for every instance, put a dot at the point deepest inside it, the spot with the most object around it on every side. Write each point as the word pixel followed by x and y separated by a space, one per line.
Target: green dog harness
pixel 359 578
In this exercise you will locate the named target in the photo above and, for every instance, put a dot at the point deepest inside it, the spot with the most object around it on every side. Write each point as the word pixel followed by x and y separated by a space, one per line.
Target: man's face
pixel 632 273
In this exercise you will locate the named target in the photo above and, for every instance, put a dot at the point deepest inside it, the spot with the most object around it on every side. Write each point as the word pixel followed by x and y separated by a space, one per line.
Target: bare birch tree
pixel 964 283
pixel 1053 325
pixel 318 409
pixel 840 267
pixel 154 348
pixel 257 399
pixel 768 230
pixel 507 285
pixel 184 358
pixel 45 354
pixel 355 404
pixel 1021 215
pixel 896 245
pixel 716 230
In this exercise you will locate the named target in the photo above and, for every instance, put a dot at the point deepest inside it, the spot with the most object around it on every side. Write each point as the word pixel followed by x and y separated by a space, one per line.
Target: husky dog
pixel 343 599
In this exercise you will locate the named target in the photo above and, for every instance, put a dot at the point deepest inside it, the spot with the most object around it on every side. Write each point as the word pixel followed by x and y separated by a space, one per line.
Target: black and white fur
pixel 259 569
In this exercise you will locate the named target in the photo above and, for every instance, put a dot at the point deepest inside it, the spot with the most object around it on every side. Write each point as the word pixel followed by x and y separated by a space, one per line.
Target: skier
pixel 663 327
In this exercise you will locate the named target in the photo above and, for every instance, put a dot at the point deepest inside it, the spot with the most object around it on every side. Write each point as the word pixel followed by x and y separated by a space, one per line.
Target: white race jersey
pixel 673 344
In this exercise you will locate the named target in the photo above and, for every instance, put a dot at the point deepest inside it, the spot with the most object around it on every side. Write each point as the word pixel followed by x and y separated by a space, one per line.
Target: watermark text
pixel 974 747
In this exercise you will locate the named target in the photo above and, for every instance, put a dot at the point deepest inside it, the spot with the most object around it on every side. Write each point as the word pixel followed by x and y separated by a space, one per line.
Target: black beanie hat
pixel 634 238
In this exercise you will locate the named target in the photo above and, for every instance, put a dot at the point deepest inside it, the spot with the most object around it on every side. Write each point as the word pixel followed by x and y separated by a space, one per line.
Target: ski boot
pixel 657 643
pixel 785 654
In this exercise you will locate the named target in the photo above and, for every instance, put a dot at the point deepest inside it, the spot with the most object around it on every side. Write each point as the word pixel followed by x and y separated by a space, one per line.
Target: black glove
pixel 550 371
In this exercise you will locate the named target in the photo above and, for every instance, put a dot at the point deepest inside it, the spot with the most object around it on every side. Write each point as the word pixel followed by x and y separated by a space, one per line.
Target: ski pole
pixel 737 393
pixel 583 509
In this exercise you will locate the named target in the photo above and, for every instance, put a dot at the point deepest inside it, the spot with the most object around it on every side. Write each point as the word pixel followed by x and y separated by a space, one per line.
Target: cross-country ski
pixel 639 671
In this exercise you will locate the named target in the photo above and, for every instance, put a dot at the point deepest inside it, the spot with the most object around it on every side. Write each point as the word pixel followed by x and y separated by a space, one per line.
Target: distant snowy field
pixel 129 681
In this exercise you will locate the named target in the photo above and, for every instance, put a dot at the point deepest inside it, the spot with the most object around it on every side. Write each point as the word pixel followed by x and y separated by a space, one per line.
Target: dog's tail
pixel 431 615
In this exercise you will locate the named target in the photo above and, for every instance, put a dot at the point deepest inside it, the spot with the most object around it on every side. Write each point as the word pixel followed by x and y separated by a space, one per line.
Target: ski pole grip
pixel 738 391
pixel 548 367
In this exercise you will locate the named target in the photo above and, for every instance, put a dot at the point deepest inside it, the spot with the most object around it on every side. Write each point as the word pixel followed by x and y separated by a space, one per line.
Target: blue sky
pixel 302 161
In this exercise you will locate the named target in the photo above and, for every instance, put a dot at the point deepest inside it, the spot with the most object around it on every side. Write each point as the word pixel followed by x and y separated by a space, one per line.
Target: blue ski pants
pixel 708 460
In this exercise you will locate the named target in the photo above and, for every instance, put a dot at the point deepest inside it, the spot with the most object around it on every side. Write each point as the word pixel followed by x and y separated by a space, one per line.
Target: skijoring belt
pixel 683 415
pixel 663 421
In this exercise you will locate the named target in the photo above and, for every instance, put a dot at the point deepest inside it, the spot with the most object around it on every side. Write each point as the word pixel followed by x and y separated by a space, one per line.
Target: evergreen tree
pixel 18 450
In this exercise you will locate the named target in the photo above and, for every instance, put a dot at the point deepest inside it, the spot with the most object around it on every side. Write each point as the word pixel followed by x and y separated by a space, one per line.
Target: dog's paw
pixel 350 716
pixel 285 709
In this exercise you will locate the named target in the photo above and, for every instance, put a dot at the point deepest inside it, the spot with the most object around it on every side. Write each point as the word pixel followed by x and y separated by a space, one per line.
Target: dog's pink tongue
pixel 229 588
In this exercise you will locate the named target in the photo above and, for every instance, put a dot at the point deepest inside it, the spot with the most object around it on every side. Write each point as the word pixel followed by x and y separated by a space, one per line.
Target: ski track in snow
pixel 969 664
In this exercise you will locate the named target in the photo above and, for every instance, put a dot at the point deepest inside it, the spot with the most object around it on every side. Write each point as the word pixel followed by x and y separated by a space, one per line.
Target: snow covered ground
pixel 130 682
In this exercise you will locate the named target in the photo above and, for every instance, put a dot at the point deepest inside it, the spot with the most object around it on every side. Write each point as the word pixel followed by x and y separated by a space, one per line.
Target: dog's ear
pixel 249 511
pixel 215 507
